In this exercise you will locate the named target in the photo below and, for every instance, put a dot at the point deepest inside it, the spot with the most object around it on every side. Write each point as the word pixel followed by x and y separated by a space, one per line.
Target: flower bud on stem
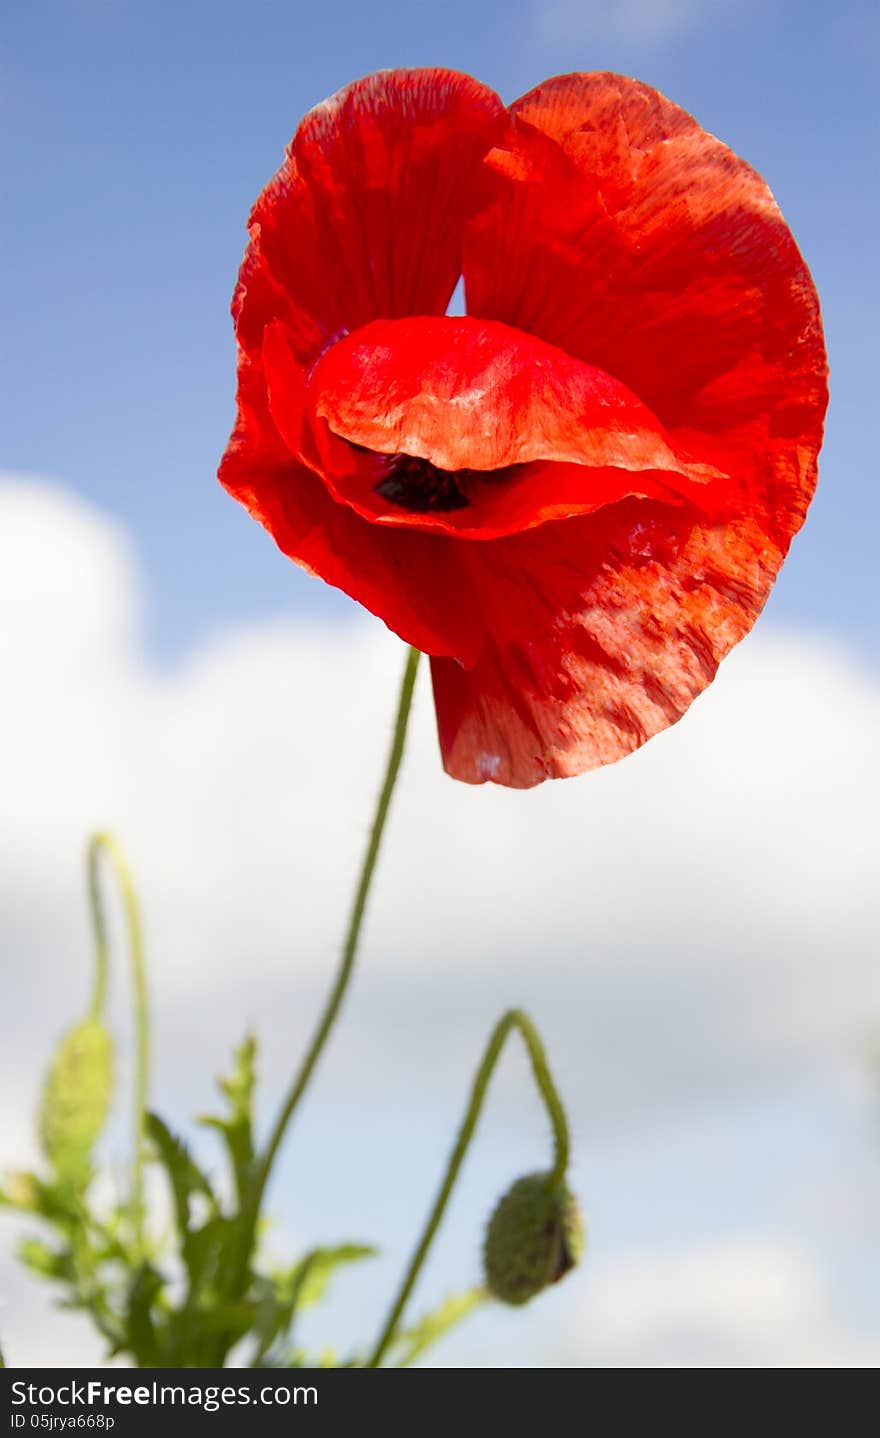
pixel 552 1182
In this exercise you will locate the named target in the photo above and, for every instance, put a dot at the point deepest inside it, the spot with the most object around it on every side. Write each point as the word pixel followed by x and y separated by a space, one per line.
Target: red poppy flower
pixel 576 497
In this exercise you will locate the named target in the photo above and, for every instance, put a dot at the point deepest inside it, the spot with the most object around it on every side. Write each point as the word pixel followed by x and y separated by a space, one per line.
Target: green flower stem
pixel 349 953
pixel 513 1019
pixel 105 845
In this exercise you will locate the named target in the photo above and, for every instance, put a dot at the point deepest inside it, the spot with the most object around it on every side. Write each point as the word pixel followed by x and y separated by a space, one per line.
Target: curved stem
pixel 106 845
pixel 99 931
pixel 349 953
pixel 513 1019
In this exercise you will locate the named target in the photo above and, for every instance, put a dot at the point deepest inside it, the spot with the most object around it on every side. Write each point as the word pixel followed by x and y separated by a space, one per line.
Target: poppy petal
pixel 473 394
pixel 520 431
pixel 622 232
pixel 600 631
pixel 342 226
pixel 404 578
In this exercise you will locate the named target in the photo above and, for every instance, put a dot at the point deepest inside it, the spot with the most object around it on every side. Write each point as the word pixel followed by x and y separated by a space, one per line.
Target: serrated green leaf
pixel 311 1275
pixel 48 1262
pixel 141 1335
pixel 284 1293
pixel 237 1127
pixel 238 1087
pixel 233 1320
pixel 183 1173
pixel 76 1098
pixel 204 1254
pixel 58 1201
pixel 412 1342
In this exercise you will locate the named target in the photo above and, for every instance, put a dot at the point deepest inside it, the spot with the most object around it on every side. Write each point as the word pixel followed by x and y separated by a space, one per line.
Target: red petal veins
pixel 601 631
pixel 628 236
pixel 337 237
pixel 364 218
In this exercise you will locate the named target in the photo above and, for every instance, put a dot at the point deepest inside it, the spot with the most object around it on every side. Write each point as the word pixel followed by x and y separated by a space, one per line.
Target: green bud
pixel 535 1235
pixel 76 1097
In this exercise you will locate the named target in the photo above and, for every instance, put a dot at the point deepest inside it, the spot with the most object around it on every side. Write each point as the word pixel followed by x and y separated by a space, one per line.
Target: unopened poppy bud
pixel 76 1096
pixel 535 1236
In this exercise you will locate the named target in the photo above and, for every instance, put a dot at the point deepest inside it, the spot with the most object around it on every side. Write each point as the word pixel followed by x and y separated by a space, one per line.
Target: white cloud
pixel 698 914
pixel 639 22
pixel 739 1302
pixel 696 922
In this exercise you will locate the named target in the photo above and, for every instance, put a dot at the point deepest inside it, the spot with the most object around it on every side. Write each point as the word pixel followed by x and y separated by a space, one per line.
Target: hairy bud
pixel 76 1096
pixel 535 1236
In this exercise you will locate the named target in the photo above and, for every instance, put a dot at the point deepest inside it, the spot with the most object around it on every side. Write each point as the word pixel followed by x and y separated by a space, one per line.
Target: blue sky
pixel 136 133
pixel 694 929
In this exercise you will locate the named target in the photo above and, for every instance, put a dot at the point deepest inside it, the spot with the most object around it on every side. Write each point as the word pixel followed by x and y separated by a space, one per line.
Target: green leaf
pixel 237 1127
pixel 45 1261
pixel 184 1175
pixel 232 1320
pixel 58 1201
pixel 311 1275
pixel 413 1342
pixel 76 1098
pixel 283 1294
pixel 204 1249
pixel 142 1338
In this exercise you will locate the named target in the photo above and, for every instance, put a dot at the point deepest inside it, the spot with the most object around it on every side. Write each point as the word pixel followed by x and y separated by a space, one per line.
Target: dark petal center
pixel 418 485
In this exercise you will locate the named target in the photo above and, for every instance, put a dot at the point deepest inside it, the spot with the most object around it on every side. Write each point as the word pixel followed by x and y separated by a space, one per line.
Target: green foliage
pixel 412 1342
pixel 288 1292
pixel 193 1290
pixel 184 1175
pixel 236 1127
pixel 171 1305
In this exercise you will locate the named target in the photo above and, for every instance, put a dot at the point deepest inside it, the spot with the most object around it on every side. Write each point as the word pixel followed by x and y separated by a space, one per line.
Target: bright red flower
pixel 577 497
